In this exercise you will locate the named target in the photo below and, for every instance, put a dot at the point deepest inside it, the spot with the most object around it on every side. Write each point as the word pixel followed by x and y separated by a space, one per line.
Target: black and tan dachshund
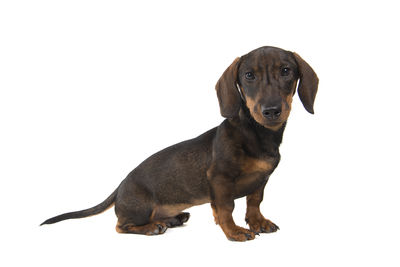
pixel 227 162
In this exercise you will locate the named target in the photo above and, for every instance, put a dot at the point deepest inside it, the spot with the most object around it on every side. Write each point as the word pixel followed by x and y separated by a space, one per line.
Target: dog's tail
pixel 84 213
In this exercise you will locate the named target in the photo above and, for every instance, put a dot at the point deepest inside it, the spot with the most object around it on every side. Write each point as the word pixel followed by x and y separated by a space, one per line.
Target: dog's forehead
pixel 267 55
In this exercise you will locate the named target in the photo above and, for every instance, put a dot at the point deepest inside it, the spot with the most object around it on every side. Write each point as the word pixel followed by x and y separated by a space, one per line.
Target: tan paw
pixel 239 234
pixel 262 225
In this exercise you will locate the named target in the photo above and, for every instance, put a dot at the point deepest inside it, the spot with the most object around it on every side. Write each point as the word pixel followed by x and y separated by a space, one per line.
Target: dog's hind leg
pixel 153 228
pixel 178 220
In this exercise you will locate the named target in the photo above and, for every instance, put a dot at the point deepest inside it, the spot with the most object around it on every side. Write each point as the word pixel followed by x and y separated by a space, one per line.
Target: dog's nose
pixel 271 113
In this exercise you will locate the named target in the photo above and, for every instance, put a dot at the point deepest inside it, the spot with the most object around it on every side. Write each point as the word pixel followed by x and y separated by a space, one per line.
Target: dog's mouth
pixel 270 124
pixel 273 125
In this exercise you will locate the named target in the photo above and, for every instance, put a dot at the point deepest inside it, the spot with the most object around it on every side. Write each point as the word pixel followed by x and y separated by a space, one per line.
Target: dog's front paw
pixel 239 234
pixel 261 225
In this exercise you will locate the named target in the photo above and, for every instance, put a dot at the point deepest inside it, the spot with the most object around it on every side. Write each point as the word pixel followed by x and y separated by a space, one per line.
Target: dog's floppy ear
pixel 227 92
pixel 308 84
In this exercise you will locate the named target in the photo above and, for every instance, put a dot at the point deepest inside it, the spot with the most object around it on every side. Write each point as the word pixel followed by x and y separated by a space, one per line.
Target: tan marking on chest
pixel 254 174
pixel 251 165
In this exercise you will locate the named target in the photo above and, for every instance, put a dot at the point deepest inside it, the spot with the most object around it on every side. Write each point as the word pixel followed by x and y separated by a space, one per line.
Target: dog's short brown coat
pixel 230 161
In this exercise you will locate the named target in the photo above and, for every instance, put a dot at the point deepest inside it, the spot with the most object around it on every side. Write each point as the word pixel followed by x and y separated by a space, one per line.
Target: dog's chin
pixel 274 126
pixel 271 125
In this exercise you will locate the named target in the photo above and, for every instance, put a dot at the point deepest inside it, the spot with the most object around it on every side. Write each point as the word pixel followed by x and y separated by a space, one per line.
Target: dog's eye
pixel 285 71
pixel 250 76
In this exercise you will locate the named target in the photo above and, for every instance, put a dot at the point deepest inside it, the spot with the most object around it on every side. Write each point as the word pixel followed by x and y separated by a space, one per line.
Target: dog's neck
pixel 263 140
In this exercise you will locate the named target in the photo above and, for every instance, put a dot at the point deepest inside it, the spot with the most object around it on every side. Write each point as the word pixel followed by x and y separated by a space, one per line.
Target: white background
pixel 89 89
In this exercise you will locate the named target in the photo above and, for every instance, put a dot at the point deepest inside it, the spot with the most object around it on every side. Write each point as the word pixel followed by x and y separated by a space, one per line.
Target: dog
pixel 227 162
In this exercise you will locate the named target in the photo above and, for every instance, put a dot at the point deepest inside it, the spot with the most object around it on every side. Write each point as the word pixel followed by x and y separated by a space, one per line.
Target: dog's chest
pixel 254 172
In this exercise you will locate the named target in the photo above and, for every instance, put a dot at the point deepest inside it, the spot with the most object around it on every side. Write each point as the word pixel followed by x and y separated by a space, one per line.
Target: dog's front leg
pixel 254 218
pixel 222 190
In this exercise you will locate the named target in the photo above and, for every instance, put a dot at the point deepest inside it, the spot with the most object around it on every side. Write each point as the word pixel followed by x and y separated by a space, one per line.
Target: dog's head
pixel 265 79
